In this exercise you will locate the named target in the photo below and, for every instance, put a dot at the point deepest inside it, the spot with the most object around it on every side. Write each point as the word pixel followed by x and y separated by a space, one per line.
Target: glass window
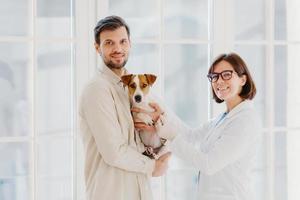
pixel 54 89
pixel 14 171
pixel 280 176
pixel 15 102
pixel 54 168
pixel 249 18
pixel 293 163
pixel 15 18
pixel 286 17
pixel 286 75
pixel 186 19
pixel 186 85
pixel 141 15
pixel 54 18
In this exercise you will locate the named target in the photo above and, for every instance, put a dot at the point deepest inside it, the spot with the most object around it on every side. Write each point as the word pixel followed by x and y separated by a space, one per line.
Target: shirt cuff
pixel 149 166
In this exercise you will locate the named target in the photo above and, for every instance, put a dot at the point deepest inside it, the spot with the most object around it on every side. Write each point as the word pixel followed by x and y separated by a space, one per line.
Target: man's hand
pixel 161 165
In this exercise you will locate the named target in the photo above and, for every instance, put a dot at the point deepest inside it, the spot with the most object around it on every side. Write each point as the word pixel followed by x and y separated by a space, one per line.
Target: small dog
pixel 138 90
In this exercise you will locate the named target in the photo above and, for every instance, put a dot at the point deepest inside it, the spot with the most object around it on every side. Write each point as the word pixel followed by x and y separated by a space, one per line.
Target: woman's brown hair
pixel 240 67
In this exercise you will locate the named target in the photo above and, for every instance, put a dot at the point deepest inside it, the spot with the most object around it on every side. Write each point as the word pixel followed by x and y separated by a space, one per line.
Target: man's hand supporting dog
pixel 161 165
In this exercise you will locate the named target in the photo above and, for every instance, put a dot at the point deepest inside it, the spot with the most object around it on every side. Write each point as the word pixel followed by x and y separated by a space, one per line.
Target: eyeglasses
pixel 214 77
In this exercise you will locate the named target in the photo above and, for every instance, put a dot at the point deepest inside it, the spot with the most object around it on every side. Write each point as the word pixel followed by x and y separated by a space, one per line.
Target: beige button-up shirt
pixel 115 168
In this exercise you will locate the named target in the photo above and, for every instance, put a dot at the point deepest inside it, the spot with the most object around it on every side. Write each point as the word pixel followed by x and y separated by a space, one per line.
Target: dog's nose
pixel 138 98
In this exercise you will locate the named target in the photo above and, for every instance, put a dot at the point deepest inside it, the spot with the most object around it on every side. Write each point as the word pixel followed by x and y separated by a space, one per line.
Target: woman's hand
pixel 154 115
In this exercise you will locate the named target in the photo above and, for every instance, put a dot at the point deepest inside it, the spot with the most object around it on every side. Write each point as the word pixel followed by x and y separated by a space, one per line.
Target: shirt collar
pixel 246 104
pixel 111 76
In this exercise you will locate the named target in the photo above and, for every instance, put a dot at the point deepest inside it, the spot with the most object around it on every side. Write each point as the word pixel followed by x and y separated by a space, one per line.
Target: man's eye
pixel 108 43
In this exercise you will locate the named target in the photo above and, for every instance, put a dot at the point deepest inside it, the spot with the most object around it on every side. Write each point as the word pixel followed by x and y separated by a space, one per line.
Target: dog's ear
pixel 126 79
pixel 150 78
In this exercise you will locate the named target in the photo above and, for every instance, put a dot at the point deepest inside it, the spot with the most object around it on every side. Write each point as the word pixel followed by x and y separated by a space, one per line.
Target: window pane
pixel 144 58
pixel 186 19
pixel 287 73
pixel 142 16
pixel 186 85
pixel 293 164
pixel 54 89
pixel 182 184
pixel 14 86
pixel 254 56
pixel 249 19
pixel 54 167
pixel 14 17
pixel 286 14
pixel 281 91
pixel 54 18
pixel 280 177
pixel 260 173
pixel 14 171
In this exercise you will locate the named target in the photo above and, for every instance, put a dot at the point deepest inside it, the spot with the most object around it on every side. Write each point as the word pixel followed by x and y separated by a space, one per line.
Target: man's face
pixel 114 47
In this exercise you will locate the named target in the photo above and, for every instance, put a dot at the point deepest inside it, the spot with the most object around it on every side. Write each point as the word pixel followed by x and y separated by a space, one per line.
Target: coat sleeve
pixel 99 111
pixel 235 141
pixel 171 126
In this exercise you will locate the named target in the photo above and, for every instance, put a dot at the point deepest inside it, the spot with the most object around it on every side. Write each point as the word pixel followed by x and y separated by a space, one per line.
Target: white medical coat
pixel 224 152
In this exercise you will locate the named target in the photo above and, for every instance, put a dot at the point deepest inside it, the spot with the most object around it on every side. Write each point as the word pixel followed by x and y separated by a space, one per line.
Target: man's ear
pixel 97 47
pixel 126 79
pixel 150 78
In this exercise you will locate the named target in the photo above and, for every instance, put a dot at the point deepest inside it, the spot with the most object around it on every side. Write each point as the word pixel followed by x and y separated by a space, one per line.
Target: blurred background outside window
pixel 47 54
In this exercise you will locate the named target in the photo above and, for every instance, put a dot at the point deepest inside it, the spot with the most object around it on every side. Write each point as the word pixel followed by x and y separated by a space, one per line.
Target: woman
pixel 224 148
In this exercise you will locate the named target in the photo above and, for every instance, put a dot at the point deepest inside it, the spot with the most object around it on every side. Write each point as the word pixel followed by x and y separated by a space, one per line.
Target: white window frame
pixel 221 15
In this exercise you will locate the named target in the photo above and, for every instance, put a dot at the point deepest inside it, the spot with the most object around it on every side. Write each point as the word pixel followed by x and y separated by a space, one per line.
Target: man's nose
pixel 117 48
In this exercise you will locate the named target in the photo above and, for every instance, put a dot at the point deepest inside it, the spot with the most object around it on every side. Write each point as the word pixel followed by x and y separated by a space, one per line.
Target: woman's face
pixel 228 85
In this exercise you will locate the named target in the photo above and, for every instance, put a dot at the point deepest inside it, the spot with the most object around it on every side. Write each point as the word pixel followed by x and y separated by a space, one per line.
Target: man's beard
pixel 112 65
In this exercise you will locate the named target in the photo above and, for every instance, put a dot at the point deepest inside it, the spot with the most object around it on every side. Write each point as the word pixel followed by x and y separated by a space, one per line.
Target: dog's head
pixel 138 85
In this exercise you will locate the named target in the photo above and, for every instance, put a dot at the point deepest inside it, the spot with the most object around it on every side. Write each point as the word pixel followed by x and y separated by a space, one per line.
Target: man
pixel 115 168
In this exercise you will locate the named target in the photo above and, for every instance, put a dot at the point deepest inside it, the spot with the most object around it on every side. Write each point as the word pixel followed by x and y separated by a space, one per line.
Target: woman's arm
pixel 237 138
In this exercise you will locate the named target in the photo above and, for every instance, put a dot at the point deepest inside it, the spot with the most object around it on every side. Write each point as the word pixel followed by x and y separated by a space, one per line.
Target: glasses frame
pixel 211 76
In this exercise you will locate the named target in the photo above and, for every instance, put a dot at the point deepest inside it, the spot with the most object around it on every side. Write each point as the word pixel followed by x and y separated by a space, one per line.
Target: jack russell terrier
pixel 138 89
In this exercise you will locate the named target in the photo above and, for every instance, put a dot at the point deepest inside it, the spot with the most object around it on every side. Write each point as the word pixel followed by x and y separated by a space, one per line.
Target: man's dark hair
pixel 109 23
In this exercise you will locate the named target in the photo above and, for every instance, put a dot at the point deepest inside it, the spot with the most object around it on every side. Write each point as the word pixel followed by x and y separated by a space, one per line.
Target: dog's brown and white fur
pixel 138 90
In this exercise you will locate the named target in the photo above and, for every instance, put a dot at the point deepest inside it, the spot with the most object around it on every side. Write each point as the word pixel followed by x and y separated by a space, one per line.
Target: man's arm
pixel 100 114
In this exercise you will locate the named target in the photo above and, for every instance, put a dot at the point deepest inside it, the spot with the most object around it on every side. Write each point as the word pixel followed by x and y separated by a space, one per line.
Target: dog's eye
pixel 144 85
pixel 133 86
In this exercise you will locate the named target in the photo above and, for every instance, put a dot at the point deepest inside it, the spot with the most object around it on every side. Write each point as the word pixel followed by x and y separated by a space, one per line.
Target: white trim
pixel 165 41
pixel 269 102
pixel 34 76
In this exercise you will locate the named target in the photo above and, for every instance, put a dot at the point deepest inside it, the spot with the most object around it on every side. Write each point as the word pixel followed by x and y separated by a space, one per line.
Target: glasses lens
pixel 226 75
pixel 213 77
